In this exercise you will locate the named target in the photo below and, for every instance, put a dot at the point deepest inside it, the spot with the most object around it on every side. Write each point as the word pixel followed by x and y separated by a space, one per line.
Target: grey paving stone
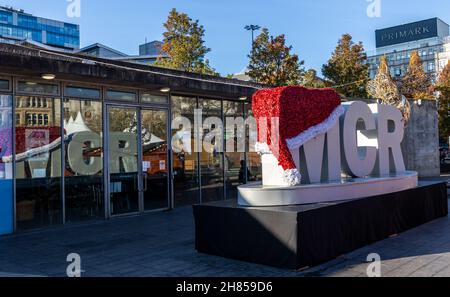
pixel 162 244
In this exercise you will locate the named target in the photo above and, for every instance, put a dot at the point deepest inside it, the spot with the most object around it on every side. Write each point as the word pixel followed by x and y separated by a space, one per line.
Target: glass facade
pixel 123 160
pixel 37 167
pixel 121 95
pixel 254 168
pixel 157 99
pixel 211 157
pixel 155 160
pixel 4 84
pixel 235 163
pixel 186 179
pixel 80 153
pixel 83 165
pixel 82 92
pixel 20 25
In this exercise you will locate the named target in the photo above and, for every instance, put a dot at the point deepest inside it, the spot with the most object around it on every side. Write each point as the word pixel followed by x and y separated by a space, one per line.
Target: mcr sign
pixel 366 141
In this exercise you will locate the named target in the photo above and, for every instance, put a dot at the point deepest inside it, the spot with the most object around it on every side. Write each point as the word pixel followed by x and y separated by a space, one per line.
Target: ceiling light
pixel 165 90
pixel 243 98
pixel 48 76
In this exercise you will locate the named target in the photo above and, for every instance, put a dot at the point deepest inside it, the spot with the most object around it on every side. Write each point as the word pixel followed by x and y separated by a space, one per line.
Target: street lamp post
pixel 252 28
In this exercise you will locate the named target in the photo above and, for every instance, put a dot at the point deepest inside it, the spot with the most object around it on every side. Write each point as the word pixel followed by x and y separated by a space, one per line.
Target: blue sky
pixel 312 27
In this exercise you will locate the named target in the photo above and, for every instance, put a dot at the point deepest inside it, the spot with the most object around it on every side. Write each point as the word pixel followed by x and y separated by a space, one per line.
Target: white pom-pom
pixel 292 177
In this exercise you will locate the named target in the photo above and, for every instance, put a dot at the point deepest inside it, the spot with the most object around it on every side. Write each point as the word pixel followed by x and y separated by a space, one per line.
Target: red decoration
pixel 54 133
pixel 298 109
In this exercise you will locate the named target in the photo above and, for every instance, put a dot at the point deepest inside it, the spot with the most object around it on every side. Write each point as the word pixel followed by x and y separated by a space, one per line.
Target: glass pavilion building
pixel 18 25
pixel 95 141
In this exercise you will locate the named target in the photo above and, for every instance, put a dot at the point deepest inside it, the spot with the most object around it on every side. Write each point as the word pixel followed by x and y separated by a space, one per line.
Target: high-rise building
pixel 151 48
pixel 16 25
pixel 430 38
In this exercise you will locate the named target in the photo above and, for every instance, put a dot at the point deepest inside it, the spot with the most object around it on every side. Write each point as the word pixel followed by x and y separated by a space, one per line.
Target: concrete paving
pixel 162 244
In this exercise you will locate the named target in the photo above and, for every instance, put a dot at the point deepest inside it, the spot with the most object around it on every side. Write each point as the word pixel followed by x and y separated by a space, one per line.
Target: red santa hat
pixel 301 114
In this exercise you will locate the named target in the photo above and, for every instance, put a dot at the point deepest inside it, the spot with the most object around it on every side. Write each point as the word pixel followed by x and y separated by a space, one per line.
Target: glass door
pixel 138 160
pixel 123 172
pixel 155 159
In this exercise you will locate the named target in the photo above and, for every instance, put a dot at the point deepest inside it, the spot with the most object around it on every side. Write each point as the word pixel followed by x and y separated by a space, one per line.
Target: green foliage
pixel 311 80
pixel 184 45
pixel 416 84
pixel 272 63
pixel 347 69
pixel 443 86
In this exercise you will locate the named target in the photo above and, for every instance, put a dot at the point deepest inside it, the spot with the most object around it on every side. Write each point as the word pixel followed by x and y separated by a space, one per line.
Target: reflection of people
pixel 242 173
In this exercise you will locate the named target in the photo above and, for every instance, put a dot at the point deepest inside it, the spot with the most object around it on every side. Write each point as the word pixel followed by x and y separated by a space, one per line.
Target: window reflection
pixel 211 160
pixel 84 160
pixel 123 166
pixel 155 159
pixel 254 171
pixel 185 164
pixel 38 160
pixel 120 95
pixel 37 88
pixel 4 84
pixel 235 167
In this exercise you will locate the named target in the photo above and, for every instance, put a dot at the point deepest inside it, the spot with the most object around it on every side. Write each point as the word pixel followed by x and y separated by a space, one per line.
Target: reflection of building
pixel 5 111
pixel 429 37
pixel 34 111
pixel 16 25
pixel 88 111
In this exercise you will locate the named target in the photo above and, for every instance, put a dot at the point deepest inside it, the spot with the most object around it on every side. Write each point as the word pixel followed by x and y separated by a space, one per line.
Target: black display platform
pixel 302 236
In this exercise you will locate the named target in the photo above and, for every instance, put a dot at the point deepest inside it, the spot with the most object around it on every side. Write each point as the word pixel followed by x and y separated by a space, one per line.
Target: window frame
pixel 18 92
pixel 124 90
pixel 10 84
pixel 143 92
pixel 82 86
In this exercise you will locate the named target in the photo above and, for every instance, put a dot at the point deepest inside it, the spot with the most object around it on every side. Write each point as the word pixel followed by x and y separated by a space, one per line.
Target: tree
pixel 416 83
pixel 443 86
pixel 385 89
pixel 272 63
pixel 184 45
pixel 311 80
pixel 347 68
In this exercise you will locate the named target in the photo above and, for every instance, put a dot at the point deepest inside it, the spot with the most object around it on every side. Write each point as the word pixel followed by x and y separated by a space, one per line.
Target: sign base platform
pixel 255 194
pixel 300 236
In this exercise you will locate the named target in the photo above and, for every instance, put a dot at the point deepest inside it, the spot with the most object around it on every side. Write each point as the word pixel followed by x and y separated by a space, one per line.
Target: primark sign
pixel 407 33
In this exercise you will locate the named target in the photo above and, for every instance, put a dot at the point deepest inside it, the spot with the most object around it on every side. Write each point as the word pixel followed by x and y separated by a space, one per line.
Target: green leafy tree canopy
pixel 272 63
pixel 311 80
pixel 347 69
pixel 443 86
pixel 184 45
